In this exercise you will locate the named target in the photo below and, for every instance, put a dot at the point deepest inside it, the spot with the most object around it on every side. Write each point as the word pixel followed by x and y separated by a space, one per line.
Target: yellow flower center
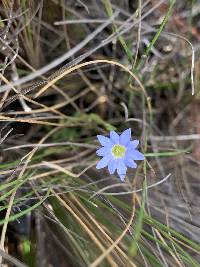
pixel 118 151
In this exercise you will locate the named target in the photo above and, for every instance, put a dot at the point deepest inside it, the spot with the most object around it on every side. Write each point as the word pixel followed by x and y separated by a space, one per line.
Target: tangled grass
pixel 71 70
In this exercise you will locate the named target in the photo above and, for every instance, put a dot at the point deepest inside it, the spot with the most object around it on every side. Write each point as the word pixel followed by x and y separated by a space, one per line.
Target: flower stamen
pixel 118 151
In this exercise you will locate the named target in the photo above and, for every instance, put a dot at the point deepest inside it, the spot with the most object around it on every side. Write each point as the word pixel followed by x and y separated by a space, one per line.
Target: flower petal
pixel 114 137
pixel 130 163
pixel 112 166
pixel 125 137
pixel 104 141
pixel 103 162
pixel 121 170
pixel 122 177
pixel 135 155
pixel 133 144
pixel 103 151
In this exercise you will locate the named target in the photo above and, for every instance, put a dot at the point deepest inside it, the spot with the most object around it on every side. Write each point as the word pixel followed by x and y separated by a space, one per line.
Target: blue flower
pixel 118 153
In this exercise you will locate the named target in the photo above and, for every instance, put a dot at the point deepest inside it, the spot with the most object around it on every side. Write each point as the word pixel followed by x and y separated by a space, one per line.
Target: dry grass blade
pixel 85 227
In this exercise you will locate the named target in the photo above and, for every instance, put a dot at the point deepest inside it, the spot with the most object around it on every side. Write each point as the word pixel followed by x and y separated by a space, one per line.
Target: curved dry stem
pixel 101 191
pixel 30 100
pixel 104 233
pixel 117 241
pixel 85 227
pixel 72 69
